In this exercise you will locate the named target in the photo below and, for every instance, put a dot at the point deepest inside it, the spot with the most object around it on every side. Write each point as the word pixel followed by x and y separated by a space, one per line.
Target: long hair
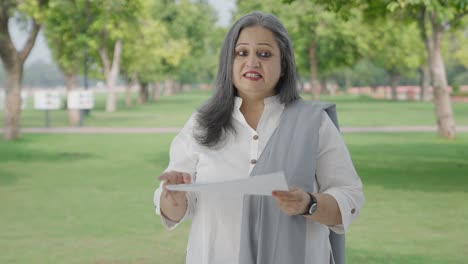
pixel 215 116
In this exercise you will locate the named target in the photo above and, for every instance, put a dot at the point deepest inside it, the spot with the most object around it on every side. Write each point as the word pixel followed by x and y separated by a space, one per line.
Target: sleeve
pixel 183 158
pixel 336 174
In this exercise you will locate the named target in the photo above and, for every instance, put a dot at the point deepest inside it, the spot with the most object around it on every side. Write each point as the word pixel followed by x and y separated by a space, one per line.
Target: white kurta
pixel 216 218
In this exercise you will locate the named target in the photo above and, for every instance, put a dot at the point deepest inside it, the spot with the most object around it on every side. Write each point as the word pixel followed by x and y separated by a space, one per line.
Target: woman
pixel 255 123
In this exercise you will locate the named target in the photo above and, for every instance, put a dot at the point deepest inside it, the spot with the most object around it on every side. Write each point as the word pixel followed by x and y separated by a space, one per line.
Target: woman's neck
pixel 252 110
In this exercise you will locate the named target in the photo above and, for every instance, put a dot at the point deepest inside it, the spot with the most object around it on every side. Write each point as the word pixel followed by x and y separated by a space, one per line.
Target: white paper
pixel 256 185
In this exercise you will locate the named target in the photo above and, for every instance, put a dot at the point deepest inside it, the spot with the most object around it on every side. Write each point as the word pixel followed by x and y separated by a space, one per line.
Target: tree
pixel 150 49
pixel 65 33
pixel 196 22
pixel 33 13
pixel 187 23
pixel 109 23
pixel 434 18
pixel 396 48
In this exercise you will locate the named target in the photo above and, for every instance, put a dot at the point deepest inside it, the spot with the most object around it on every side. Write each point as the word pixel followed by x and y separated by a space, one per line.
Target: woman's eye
pixel 242 53
pixel 264 54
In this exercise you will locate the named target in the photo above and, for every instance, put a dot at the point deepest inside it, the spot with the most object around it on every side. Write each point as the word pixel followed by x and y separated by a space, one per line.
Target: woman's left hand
pixel 292 202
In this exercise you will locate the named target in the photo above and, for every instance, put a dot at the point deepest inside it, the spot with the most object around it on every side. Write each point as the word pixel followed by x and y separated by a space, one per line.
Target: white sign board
pixel 82 99
pixel 47 100
pixel 24 100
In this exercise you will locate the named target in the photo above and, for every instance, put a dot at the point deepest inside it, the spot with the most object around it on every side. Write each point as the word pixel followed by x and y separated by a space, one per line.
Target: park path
pixel 162 130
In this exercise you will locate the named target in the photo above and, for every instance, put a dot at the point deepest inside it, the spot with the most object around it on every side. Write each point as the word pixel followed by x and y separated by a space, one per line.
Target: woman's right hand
pixel 176 198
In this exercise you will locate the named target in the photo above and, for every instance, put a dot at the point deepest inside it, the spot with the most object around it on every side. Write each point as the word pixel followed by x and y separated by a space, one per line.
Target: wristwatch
pixel 312 207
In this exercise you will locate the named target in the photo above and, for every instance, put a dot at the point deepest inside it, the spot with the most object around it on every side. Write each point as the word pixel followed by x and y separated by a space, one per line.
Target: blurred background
pixel 93 91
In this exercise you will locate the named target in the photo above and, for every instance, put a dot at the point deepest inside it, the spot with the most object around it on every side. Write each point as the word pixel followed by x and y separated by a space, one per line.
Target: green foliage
pixel 192 23
pixel 148 46
pixel 66 33
pixel 108 22
pixel 365 73
pixel 79 25
pixel 459 45
pixel 443 11
pixel 396 47
pixel 35 9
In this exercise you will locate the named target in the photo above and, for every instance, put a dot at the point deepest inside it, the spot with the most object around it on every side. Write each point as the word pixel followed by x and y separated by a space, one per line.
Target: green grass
pixel 416 187
pixel 365 111
pixel 88 199
pixel 173 111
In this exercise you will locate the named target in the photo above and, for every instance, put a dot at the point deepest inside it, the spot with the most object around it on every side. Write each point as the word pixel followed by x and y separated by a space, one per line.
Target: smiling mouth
pixel 252 76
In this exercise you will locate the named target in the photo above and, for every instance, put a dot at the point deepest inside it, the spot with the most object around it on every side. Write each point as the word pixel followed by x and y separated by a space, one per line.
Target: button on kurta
pixel 253 161
pixel 255 137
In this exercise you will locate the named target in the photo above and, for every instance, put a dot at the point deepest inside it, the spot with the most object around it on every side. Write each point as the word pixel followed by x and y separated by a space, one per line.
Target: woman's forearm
pixel 172 210
pixel 328 212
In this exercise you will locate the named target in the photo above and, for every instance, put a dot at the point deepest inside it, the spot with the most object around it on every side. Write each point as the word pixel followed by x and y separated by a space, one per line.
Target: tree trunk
pixel 347 79
pixel 394 80
pixel 156 92
pixel 177 87
pixel 12 110
pixel 169 86
pixel 186 87
pixel 128 90
pixel 128 95
pixel 73 114
pixel 13 61
pixel 144 93
pixel 443 105
pixel 314 82
pixel 323 86
pixel 424 82
pixel 111 73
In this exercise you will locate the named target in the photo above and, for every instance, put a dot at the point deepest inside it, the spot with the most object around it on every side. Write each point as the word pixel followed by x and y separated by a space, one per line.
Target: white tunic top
pixel 216 218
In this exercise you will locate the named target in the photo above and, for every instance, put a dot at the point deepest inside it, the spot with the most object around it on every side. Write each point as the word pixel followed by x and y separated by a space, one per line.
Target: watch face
pixel 312 208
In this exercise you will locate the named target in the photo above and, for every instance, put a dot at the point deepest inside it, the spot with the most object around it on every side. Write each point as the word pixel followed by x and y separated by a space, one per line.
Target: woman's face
pixel 257 63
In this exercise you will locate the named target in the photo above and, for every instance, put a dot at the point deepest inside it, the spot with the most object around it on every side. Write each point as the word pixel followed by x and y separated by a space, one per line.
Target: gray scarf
pixel 269 236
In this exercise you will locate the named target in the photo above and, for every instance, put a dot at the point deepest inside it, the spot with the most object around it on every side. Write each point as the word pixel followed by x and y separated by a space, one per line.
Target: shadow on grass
pixel 7 177
pixel 415 166
pixel 18 152
pixel 21 151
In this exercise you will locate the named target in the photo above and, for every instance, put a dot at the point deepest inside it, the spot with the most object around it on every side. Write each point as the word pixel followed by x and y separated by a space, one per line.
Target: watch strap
pixel 312 206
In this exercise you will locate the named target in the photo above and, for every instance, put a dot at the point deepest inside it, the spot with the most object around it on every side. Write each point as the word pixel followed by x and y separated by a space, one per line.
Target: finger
pixel 164 176
pixel 171 176
pixel 179 178
pixel 288 196
pixel 187 178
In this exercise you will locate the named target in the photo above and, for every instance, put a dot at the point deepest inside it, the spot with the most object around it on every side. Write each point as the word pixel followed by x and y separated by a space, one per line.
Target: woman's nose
pixel 253 61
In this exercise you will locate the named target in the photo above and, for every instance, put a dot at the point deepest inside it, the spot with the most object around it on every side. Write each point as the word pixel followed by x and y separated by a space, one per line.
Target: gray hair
pixel 215 116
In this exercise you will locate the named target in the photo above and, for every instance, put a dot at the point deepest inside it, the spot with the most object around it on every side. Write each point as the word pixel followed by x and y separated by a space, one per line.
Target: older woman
pixel 256 123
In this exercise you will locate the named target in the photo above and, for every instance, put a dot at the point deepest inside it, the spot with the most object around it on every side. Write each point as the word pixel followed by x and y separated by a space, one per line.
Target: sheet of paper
pixel 256 185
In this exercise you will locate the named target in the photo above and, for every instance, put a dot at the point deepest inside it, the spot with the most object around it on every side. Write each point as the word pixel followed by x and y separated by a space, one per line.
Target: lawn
pixel 88 199
pixel 173 111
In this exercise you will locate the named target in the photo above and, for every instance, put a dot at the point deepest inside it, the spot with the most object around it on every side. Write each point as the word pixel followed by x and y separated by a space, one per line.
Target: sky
pixel 41 52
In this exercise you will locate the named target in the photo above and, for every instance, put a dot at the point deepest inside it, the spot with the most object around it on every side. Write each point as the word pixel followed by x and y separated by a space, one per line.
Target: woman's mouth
pixel 254 76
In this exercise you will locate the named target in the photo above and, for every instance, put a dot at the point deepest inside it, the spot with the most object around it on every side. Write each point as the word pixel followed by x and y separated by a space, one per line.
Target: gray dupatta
pixel 268 236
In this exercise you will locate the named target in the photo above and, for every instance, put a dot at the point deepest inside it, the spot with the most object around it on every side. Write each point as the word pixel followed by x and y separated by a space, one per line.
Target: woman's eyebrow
pixel 261 43
pixel 267 44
